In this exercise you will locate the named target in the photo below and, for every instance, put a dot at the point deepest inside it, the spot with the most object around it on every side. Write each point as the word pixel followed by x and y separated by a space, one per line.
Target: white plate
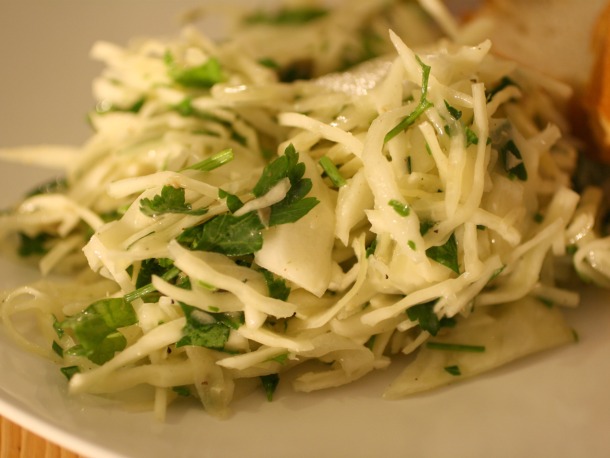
pixel 553 404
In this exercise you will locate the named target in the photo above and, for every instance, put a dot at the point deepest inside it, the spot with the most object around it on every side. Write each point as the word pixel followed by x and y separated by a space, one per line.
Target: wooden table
pixel 16 442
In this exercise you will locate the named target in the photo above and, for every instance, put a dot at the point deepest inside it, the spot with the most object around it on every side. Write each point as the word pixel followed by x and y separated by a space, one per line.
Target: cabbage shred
pixel 235 226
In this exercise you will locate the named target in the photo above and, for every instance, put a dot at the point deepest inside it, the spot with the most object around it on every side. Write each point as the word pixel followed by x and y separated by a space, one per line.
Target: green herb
pixel 287 16
pixel 234 203
pixel 276 286
pixel 213 162
pixel 453 370
pixel 149 288
pixel 426 317
pixel 508 153
pixel 572 249
pixel 150 267
pixel 371 248
pixel 69 371
pixel 55 185
pixel 270 383
pixel 412 245
pixel 446 254
pixel 425 226
pixel 504 83
pixel 96 328
pixel 280 358
pixel 57 349
pixel 471 137
pixel 455 347
pixel 171 200
pixel 203 76
pixel 242 235
pixel 538 218
pixel 421 107
pixel 294 206
pixel 269 63
pixel 399 207
pixel 332 172
pixel 33 246
pixel 454 112
pixel 409 165
pixel 546 301
pixel 182 390
pixel 226 234
pixel 481 227
pixel 285 166
pixel 57 327
pixel 199 331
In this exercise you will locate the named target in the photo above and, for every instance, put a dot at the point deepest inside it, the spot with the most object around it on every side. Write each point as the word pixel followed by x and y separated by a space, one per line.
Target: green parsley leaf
pixel 425 316
pixel 227 234
pixel 371 248
pixel 234 203
pixel 454 112
pixel 276 286
pixel 270 383
pixel 510 154
pixel 69 371
pixel 242 235
pixel 199 331
pixel 171 200
pixel 202 76
pixel 182 390
pixel 95 328
pixel 453 370
pixel 33 246
pixel 399 207
pixel 471 137
pixel 504 83
pixel 446 254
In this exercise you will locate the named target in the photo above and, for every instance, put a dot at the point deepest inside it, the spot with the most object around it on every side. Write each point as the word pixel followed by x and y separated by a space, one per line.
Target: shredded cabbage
pixel 445 224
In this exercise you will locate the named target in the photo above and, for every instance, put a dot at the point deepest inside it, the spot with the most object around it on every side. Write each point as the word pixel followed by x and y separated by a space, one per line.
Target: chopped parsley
pixel 512 160
pixel 454 112
pixel 421 107
pixel 331 171
pixel 203 330
pixel 69 371
pixel 446 254
pixel 276 286
pixel 455 347
pixel 287 16
pixel 270 383
pixel 202 76
pixel 503 84
pixel 96 329
pixel 242 235
pixel 453 370
pixel 399 207
pixel 33 246
pixel 171 200
pixel 213 162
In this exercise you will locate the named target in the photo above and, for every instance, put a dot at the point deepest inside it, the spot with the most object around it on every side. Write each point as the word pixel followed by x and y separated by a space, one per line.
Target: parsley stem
pixel 455 347
pixel 421 107
pixel 147 289
pixel 333 173
pixel 213 162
